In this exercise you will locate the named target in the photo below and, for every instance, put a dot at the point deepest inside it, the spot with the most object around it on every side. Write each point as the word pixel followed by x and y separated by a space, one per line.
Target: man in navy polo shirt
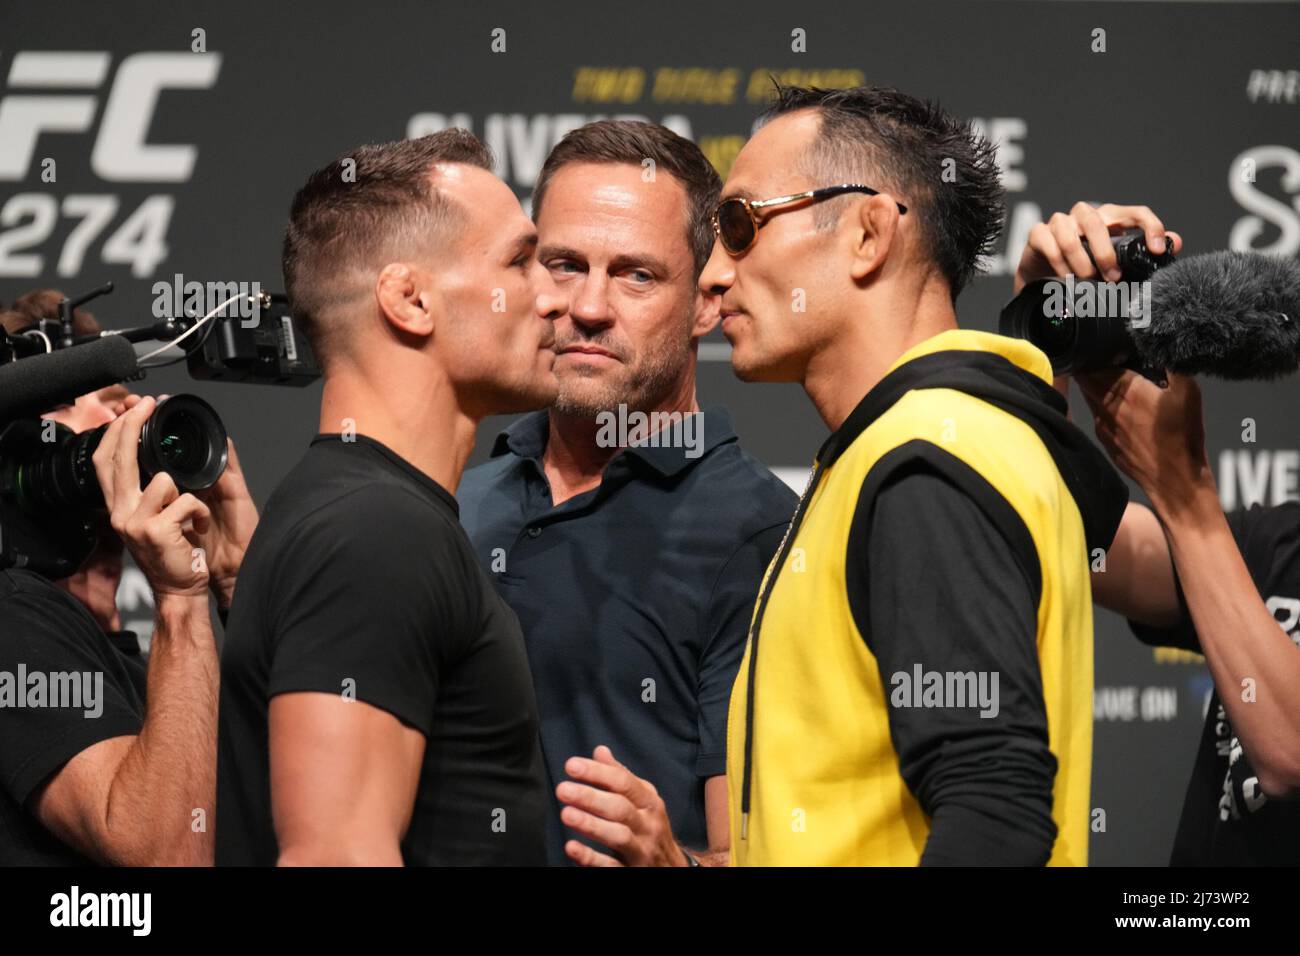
pixel 627 529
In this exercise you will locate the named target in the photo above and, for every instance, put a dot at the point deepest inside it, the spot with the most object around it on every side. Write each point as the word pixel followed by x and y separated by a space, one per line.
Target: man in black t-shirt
pixel 1187 575
pixel 1229 818
pixel 101 759
pixel 376 706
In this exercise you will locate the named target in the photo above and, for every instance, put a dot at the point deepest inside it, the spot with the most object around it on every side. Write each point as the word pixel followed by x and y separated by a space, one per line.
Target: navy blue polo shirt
pixel 635 599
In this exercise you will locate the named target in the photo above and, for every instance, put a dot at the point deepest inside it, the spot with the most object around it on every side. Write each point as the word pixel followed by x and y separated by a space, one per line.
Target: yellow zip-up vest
pixel 825 787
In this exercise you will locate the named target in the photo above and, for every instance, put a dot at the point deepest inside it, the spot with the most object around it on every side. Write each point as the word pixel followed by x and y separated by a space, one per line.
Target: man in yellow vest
pixel 917 686
pixel 918 682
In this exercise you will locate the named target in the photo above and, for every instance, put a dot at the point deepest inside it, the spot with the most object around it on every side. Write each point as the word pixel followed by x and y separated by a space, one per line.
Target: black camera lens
pixel 50 468
pixel 185 438
pixel 1041 315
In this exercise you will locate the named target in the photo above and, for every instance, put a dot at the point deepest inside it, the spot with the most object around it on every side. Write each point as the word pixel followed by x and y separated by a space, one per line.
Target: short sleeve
pixel 731 607
pixel 370 602
pixel 48 639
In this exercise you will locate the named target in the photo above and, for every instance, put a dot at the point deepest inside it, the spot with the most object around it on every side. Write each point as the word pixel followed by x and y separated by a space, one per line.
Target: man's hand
pixel 233 521
pixel 1154 435
pixel 160 526
pixel 613 806
pixel 1054 247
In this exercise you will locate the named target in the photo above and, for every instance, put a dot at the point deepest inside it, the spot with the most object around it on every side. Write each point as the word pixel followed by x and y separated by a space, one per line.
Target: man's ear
pixel 405 299
pixel 708 310
pixel 875 230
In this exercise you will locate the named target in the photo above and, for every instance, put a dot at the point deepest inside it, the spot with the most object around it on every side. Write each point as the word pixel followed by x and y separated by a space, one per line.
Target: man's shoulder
pixel 339 522
pixel 738 479
pixel 346 492
pixel 34 608
pixel 27 587
pixel 477 482
pixel 18 581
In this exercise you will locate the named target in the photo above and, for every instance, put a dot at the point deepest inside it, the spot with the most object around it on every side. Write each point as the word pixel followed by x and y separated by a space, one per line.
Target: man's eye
pixel 522 262
pixel 561 265
pixel 640 276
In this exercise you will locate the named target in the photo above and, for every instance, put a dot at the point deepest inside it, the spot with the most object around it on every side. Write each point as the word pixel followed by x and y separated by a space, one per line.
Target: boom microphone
pixel 37 384
pixel 1234 315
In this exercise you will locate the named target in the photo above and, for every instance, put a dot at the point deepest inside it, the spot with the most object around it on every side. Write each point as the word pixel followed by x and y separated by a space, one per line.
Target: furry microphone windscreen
pixel 1234 315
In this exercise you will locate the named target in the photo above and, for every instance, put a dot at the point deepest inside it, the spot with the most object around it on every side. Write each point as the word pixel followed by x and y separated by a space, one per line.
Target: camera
pixel 51 506
pixel 49 492
pixel 1084 325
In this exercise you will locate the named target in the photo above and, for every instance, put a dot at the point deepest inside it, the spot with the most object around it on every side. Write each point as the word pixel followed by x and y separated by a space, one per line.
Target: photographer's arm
pixel 1157 437
pixel 132 800
pixel 1138 581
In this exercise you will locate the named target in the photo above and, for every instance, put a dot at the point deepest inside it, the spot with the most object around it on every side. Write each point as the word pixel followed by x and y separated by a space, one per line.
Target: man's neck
pixel 425 426
pixel 840 376
pixel 574 460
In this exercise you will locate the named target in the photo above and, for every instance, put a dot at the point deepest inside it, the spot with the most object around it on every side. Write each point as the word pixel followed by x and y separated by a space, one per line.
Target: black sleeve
pixel 371 602
pixel 1244 523
pixel 948 592
pixel 731 607
pixel 47 632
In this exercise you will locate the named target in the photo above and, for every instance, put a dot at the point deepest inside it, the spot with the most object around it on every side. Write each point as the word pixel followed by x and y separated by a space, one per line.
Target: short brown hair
pixel 377 200
pixel 30 308
pixel 632 142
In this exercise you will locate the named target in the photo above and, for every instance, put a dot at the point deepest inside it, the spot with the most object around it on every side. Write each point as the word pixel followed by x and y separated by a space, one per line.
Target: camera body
pixel 51 506
pixel 51 503
pixel 1084 325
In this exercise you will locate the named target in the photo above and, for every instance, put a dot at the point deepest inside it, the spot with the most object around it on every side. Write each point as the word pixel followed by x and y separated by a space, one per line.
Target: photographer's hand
pixel 1054 247
pixel 1154 435
pixel 233 521
pixel 160 526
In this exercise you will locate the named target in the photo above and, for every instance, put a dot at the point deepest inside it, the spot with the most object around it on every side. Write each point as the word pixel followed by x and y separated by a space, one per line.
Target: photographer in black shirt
pixel 1187 575
pixel 126 776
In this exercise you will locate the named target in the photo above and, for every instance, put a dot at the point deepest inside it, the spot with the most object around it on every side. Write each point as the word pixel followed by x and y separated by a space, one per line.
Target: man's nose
pixel 719 272
pixel 551 301
pixel 589 305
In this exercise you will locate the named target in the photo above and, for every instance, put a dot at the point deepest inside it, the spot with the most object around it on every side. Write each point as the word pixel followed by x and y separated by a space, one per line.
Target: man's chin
pixel 748 369
pixel 538 394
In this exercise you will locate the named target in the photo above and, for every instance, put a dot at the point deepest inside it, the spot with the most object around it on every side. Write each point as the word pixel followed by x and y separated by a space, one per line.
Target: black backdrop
pixel 1193 109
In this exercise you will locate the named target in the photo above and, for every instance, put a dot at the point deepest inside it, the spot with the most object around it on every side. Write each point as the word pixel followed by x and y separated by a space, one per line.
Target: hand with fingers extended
pixel 610 805
pixel 160 526
pixel 233 521
pixel 1055 248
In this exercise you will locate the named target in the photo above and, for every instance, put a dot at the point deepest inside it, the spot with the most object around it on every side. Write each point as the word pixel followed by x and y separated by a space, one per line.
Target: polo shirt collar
pixel 526 437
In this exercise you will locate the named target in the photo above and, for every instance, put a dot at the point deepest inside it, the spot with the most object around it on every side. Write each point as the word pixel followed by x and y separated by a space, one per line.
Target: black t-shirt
pixel 360 581
pixel 1226 819
pixel 65 685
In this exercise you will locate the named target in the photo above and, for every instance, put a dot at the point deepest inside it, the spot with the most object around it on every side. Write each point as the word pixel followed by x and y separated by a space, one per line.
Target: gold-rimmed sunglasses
pixel 736 224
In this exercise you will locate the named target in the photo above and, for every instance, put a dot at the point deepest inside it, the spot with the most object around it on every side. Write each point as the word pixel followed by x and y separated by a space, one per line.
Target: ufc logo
pixel 120 153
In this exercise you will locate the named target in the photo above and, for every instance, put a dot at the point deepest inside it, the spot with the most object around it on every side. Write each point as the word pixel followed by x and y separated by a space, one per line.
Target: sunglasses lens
pixel 735 228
